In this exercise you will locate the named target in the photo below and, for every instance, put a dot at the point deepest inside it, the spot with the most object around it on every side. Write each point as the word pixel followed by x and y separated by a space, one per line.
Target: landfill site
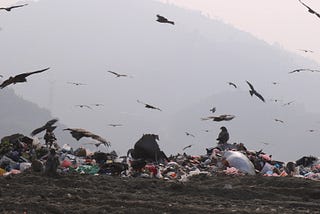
pixel 39 177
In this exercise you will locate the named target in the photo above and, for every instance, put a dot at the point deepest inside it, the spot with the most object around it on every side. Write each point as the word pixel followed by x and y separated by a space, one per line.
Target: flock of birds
pixel 78 133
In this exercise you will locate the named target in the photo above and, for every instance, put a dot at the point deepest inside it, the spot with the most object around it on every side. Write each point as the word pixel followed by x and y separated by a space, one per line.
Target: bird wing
pixel 16 6
pixel 250 85
pixel 24 75
pixel 208 118
pixel 259 96
pixel 186 147
pixel 112 72
pixel 7 82
pixel 48 125
pixel 231 83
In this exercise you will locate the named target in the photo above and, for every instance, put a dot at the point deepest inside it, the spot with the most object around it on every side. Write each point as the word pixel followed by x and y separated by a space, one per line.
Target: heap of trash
pixel 19 153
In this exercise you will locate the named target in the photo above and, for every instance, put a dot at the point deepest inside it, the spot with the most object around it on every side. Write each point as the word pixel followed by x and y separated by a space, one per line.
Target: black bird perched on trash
pixel 12 7
pixel 19 78
pixel 47 126
pixel 78 133
pixel 149 106
pixel 310 10
pixel 162 19
pixel 254 92
pixel 223 136
pixel 224 117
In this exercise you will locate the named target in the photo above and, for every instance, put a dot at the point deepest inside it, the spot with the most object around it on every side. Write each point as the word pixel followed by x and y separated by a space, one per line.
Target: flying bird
pixel 189 146
pixel 306 51
pixel 97 104
pixel 277 120
pixel 303 69
pixel 76 83
pixel 84 106
pixel 189 134
pixel 213 110
pixel 19 78
pixel 78 133
pixel 288 103
pixel 162 19
pixel 225 117
pixel 48 125
pixel 12 7
pixel 232 84
pixel 117 74
pixel 115 125
pixel 254 92
pixel 311 130
pixel 149 106
pixel 310 10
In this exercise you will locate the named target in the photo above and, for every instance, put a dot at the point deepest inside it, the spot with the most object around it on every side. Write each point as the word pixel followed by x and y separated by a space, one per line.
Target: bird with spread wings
pixel 117 74
pixel 19 78
pixel 12 7
pixel 79 133
pixel 48 125
pixel 224 117
pixel 163 19
pixel 252 91
pixel 148 105
pixel 310 10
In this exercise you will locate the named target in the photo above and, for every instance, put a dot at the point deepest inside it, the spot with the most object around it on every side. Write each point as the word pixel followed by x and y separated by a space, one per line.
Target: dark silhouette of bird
pixel 224 117
pixel 254 92
pixel 232 84
pixel 223 136
pixel 277 120
pixel 149 106
pixel 162 19
pixel 48 126
pixel 189 134
pixel 12 7
pixel 213 110
pixel 288 103
pixel 97 104
pixel 275 83
pixel 97 144
pixel 76 83
pixel 306 51
pixel 189 146
pixel 84 106
pixel 311 130
pixel 275 100
pixel 303 69
pixel 310 10
pixel 79 133
pixel 115 125
pixel 19 78
pixel 117 74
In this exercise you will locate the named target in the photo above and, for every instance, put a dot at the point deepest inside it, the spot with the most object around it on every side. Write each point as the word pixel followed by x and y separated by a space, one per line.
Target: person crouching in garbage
pixel 52 163
pixel 49 137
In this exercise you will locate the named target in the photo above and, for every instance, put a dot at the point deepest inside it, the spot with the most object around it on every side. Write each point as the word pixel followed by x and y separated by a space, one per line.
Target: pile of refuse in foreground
pixel 19 153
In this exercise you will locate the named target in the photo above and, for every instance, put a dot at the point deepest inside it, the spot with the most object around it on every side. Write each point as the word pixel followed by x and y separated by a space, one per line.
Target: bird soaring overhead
pixel 189 146
pixel 277 120
pixel 232 84
pixel 115 125
pixel 310 10
pixel 224 117
pixel 162 19
pixel 149 106
pixel 117 74
pixel 19 78
pixel 213 110
pixel 12 7
pixel 84 106
pixel 288 103
pixel 48 125
pixel 189 134
pixel 303 69
pixel 306 51
pixel 76 83
pixel 78 133
pixel 254 92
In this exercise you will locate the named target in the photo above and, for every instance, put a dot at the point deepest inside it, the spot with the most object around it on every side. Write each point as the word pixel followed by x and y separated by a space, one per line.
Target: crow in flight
pixel 148 106
pixel 78 133
pixel 254 92
pixel 12 7
pixel 48 125
pixel 76 83
pixel 303 69
pixel 117 74
pixel 310 10
pixel 19 78
pixel 189 134
pixel 213 110
pixel 162 19
pixel 306 51
pixel 82 106
pixel 115 125
pixel 186 147
pixel 225 117
pixel 288 103
pixel 232 84
pixel 277 120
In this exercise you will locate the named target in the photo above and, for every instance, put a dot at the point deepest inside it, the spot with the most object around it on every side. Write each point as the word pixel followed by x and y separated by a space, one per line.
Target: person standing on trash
pixel 52 163
pixel 223 136
pixel 49 137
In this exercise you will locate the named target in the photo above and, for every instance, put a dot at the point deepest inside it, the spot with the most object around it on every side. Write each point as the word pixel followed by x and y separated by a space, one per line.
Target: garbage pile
pixel 19 153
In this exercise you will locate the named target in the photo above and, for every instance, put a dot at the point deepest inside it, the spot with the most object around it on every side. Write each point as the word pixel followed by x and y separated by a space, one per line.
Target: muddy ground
pixel 34 193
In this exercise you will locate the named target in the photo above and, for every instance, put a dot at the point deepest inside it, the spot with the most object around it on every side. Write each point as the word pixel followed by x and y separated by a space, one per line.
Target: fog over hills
pixel 182 69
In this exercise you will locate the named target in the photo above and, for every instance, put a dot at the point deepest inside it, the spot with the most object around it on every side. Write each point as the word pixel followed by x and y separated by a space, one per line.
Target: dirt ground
pixel 74 193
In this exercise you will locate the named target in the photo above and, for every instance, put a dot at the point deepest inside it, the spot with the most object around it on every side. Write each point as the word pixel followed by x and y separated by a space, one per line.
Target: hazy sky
pixel 285 22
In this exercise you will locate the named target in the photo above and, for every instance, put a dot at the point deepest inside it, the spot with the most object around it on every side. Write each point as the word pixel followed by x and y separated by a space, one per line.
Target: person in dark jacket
pixel 52 163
